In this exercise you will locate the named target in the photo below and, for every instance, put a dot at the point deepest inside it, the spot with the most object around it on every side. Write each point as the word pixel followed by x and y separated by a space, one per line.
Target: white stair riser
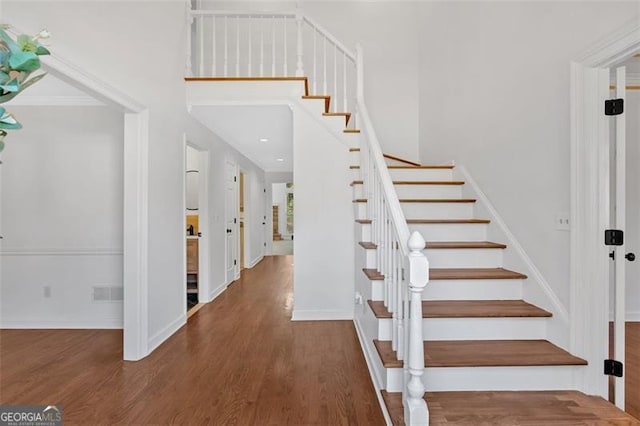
pixel 421 174
pixel 464 258
pixel 360 210
pixel 363 232
pixel 442 379
pixel 355 157
pixel 437 210
pixel 358 191
pixel 451 232
pixel 428 191
pixel 473 328
pixel 472 290
pixel 355 174
pixel 369 257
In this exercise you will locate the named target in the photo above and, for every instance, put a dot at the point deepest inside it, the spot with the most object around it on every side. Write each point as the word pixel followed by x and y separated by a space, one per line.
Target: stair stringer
pixel 536 290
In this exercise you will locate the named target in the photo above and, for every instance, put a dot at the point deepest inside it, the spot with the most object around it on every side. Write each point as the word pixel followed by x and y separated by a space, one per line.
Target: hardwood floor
pixel 508 408
pixel 631 368
pixel 239 361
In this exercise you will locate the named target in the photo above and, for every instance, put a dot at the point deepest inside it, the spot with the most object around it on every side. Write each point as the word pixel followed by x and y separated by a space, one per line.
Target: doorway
pixel 282 211
pixel 242 209
pixel 196 207
pixel 232 272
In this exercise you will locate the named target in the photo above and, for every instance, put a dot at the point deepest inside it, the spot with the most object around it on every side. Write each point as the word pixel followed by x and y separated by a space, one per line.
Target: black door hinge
pixel 235 262
pixel 613 367
pixel 613 106
pixel 234 220
pixel 613 237
pixel 235 178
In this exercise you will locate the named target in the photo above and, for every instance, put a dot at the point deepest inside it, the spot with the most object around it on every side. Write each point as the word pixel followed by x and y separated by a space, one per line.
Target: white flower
pixel 44 34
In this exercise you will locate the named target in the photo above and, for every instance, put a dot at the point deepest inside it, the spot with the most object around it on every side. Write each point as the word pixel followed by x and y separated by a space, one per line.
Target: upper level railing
pixel 275 44
pixel 286 44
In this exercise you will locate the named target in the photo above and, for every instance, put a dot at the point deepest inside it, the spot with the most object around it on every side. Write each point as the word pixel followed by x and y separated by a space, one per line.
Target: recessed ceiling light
pixel 264 140
pixel 280 159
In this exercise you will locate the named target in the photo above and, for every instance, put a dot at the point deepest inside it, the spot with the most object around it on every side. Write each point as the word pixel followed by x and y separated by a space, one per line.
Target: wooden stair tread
pixel 354 149
pixel 373 274
pixel 351 130
pixel 469 309
pixel 484 353
pixel 463 245
pixel 354 167
pixel 417 182
pixel 363 221
pixel 474 274
pixel 427 200
pixel 346 115
pixel 445 221
pixel 431 166
pixel 566 407
pixel 368 245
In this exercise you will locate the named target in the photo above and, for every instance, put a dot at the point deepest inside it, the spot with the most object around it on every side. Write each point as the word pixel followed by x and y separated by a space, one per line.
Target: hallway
pixel 239 360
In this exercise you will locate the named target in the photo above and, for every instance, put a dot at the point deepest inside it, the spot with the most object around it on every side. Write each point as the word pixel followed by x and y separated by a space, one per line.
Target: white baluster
pixel 226 47
pixel 397 276
pixel 238 46
pixel 335 77
pixel 315 71
pixel 415 408
pixel 261 46
pixel 249 47
pixel 273 46
pixel 213 45
pixel 324 64
pixel 344 81
pixel 188 64
pixel 286 71
pixel 299 52
pixel 200 29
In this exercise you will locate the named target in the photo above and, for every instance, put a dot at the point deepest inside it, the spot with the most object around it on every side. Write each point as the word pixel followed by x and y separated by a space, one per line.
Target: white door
pixel 231 207
pixel 620 256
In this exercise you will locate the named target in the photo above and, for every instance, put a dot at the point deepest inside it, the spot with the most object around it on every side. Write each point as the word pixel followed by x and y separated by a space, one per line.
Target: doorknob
pixel 630 257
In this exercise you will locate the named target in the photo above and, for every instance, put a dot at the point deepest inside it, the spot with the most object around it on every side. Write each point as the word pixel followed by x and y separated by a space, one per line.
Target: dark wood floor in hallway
pixel 240 361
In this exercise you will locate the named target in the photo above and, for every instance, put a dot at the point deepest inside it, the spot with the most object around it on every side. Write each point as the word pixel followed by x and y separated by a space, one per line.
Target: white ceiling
pixel 243 127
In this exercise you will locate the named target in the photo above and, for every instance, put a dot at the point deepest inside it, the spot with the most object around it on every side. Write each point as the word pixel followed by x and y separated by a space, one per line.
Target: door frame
pixel 589 261
pixel 136 195
pixel 204 260
pixel 235 226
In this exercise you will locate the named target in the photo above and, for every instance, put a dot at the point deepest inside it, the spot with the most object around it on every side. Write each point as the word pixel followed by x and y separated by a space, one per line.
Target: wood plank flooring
pixel 239 361
pixel 531 408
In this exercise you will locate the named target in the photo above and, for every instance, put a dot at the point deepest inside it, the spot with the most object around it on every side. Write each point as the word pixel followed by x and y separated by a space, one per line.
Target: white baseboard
pixel 375 379
pixel 321 315
pixel 166 332
pixel 106 324
pixel 633 316
pixel 217 292
pixel 254 262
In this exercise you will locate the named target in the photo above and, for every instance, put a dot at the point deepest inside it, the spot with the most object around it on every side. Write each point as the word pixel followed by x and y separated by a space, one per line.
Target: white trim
pixel 254 262
pixel 55 100
pixel 61 251
pixel 217 292
pixel 375 378
pixel 161 336
pixel 589 174
pixel 321 315
pixel 536 275
pixel 106 324
pixel 633 316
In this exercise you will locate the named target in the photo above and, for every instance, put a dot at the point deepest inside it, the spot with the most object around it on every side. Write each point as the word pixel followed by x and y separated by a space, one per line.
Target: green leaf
pixel 12 45
pixel 8 122
pixel 41 50
pixel 1 145
pixel 24 61
pixel 8 96
pixel 2 110
pixel 12 86
pixel 4 77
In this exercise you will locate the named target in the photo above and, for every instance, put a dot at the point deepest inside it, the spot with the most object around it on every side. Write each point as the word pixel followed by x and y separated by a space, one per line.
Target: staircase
pixel 478 333
pixel 442 322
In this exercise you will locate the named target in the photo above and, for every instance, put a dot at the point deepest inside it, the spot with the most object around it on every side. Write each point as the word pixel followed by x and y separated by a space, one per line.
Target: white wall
pixel 494 96
pixel 387 32
pixel 324 221
pixel 192 180
pixel 632 233
pixel 62 218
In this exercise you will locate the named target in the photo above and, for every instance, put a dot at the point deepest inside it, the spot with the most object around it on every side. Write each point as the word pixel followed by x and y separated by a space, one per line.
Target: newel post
pixel 188 68
pixel 415 407
pixel 299 52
